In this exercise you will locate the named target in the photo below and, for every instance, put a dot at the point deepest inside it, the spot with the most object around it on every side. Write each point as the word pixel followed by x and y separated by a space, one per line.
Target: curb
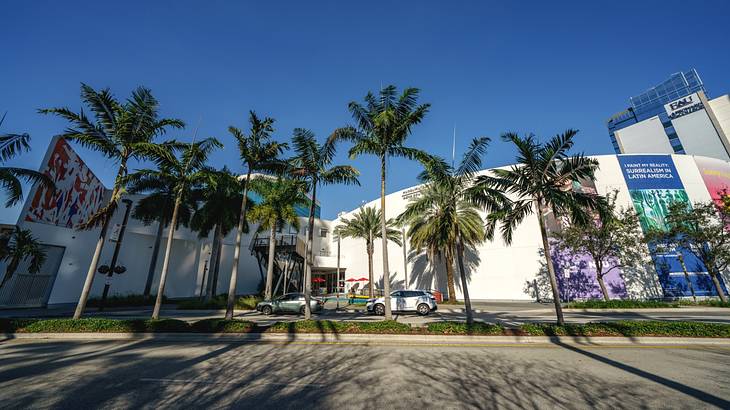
pixel 375 339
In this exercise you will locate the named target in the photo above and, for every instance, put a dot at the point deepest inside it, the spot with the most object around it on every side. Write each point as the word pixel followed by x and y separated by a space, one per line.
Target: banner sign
pixel 654 184
pixel 683 106
pixel 576 272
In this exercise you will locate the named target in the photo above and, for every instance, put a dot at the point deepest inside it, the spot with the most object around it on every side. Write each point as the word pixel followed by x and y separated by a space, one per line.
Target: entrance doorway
pixel 325 282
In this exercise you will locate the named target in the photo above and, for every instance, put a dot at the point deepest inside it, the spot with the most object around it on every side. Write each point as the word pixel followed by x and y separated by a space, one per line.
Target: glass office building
pixel 651 102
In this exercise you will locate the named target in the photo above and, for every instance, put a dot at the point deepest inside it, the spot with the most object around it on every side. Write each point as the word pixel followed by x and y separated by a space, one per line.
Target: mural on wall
pixel 79 193
pixel 576 272
pixel 716 176
pixel 654 183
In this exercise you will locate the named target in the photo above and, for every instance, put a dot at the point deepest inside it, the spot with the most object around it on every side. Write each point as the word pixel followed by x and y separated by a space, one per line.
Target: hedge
pixel 329 326
pixel 220 302
pixel 622 328
pixel 102 325
pixel 641 304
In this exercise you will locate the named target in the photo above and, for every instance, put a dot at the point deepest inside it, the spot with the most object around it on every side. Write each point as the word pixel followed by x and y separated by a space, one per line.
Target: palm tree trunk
pixel 92 270
pixel 718 287
pixel 384 236
pixel 214 252
pixel 237 251
pixel 370 266
pixel 121 172
pixel 464 287
pixel 450 275
pixel 153 260
pixel 550 267
pixel 166 260
pixel 10 270
pixel 217 271
pixel 270 265
pixel 310 255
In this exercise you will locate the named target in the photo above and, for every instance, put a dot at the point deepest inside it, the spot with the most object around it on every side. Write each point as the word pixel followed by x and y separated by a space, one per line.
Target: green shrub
pixel 248 302
pixel 461 328
pixel 223 326
pixel 328 326
pixel 126 301
pixel 92 325
pixel 714 303
pixel 219 302
pixel 630 329
pixel 621 304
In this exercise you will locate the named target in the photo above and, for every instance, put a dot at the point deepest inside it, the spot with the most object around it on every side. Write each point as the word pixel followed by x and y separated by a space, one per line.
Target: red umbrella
pixel 318 280
pixel 363 280
pixel 351 280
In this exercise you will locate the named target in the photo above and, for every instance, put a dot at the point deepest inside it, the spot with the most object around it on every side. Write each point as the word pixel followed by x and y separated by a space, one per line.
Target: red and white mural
pixel 79 193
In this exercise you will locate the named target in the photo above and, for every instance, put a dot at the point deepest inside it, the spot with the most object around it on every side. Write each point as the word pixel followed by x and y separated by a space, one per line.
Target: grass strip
pixel 622 328
pixel 329 326
pixel 642 304
pixel 102 325
pixel 630 329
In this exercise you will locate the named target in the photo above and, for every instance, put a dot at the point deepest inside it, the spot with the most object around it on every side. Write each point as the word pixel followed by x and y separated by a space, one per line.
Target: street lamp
pixel 113 268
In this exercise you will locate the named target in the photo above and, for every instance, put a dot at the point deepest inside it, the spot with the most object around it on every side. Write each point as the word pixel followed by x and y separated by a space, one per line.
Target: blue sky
pixel 486 67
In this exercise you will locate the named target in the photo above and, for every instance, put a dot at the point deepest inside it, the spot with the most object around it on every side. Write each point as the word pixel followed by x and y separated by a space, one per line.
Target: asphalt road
pixel 507 313
pixel 148 374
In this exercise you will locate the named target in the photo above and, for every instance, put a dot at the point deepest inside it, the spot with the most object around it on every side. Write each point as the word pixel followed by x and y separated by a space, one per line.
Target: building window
pixel 322 233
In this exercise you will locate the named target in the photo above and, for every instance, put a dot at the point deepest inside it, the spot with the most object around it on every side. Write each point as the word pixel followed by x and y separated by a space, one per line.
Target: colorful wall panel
pixel 79 193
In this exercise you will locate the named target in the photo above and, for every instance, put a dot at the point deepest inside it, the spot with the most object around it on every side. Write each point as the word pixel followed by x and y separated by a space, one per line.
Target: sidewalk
pixel 381 339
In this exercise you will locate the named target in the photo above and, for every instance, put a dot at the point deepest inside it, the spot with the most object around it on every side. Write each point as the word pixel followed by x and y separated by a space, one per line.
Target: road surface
pixel 507 313
pixel 150 374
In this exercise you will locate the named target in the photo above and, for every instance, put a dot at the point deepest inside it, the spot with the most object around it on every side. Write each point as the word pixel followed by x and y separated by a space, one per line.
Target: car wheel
pixel 379 310
pixel 423 309
pixel 302 310
pixel 266 310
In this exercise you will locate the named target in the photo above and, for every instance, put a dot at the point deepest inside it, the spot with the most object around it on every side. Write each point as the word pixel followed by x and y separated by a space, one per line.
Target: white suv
pixel 420 301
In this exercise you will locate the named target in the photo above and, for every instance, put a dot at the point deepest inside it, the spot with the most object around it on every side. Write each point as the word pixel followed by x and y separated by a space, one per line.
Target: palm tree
pixel 278 199
pixel 313 165
pixel 382 126
pixel 445 218
pixel 184 175
pixel 18 246
pixel 365 224
pixel 157 207
pixel 258 154
pixel 541 181
pixel 10 177
pixel 221 199
pixel 121 131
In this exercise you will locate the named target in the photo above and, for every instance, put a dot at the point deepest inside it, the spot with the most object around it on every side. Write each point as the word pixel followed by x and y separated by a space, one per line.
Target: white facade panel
pixel 721 108
pixel 698 135
pixel 645 136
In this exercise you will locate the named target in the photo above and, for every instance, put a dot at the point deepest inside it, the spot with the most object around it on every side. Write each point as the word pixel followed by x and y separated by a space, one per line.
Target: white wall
pixel 721 108
pixel 188 256
pixel 647 136
pixel 698 135
pixel 499 272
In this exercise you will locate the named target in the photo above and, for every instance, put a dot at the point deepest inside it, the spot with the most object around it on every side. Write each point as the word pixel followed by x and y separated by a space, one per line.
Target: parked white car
pixel 420 301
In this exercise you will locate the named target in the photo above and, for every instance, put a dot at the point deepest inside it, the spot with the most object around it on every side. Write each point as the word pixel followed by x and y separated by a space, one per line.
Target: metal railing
pixel 26 290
